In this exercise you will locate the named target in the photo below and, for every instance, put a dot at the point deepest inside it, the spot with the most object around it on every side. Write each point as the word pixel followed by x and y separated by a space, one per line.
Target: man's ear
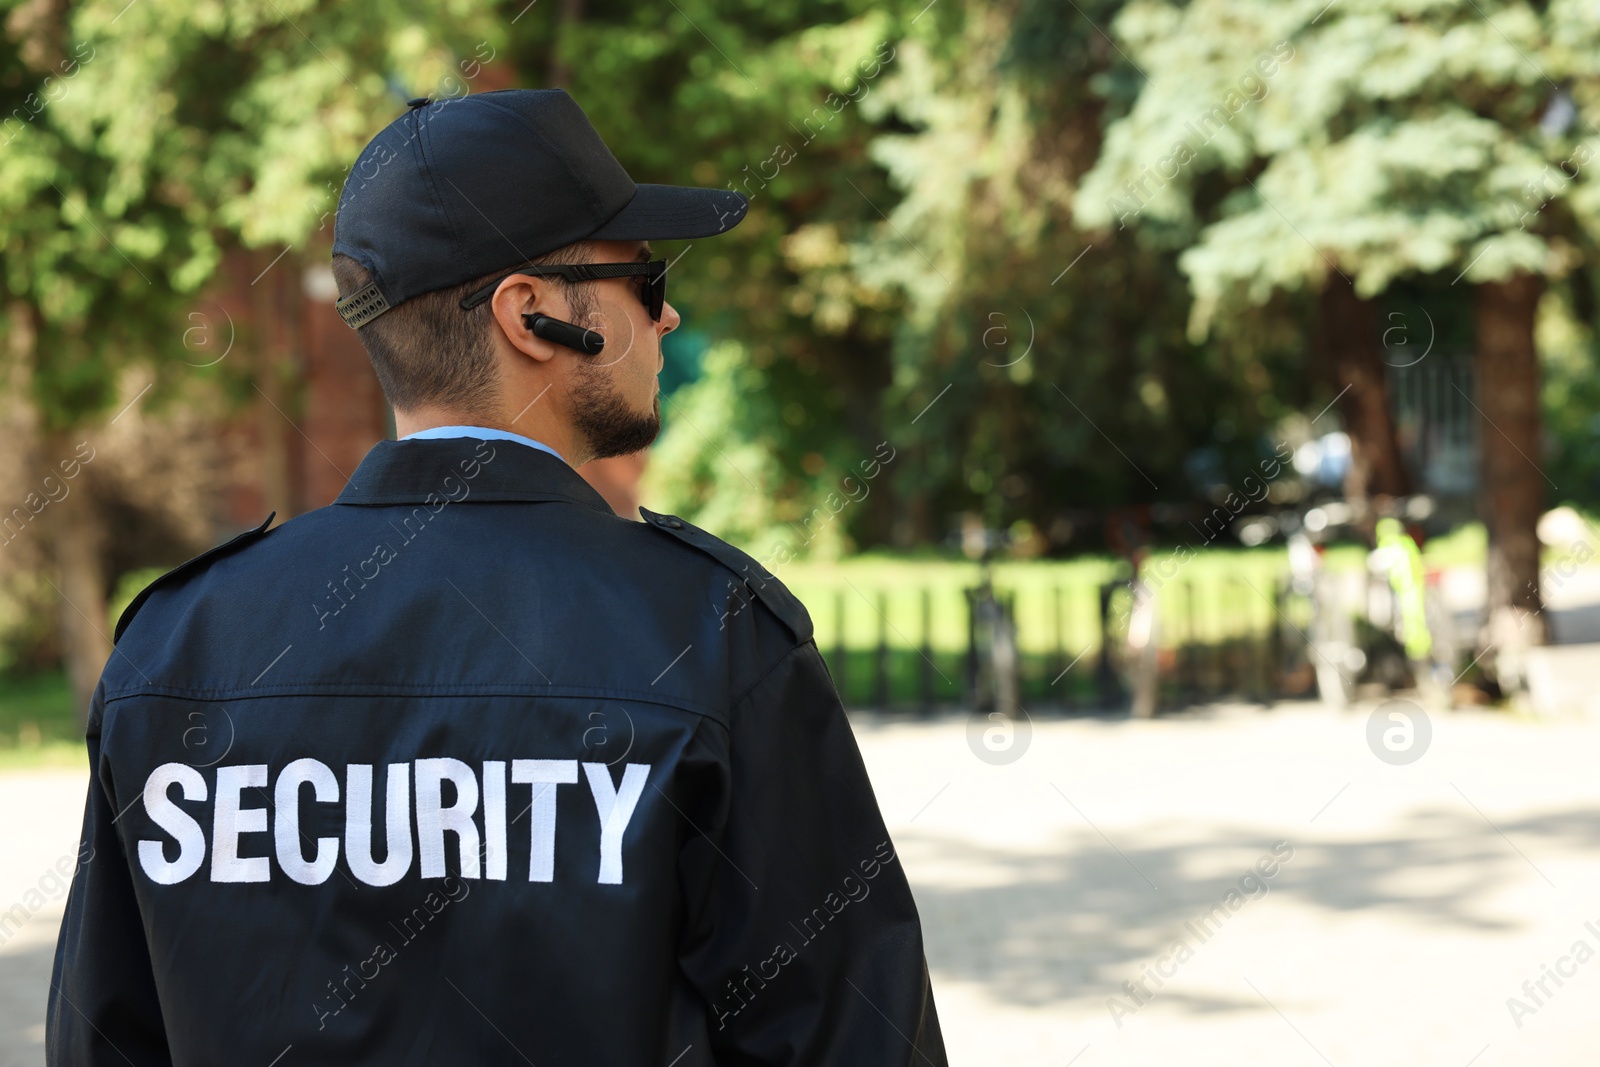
pixel 521 295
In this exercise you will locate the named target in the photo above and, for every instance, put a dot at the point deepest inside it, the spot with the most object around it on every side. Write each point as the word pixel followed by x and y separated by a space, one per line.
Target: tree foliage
pixel 936 190
pixel 1278 142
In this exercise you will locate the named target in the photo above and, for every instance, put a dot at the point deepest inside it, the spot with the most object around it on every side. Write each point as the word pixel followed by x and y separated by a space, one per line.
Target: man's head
pixel 441 364
pixel 453 197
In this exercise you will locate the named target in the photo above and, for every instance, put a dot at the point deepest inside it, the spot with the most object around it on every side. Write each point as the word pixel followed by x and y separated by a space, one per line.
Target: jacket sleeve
pixel 801 932
pixel 103 1007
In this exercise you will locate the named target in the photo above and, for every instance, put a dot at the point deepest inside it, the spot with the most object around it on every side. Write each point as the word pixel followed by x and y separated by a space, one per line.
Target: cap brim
pixel 674 212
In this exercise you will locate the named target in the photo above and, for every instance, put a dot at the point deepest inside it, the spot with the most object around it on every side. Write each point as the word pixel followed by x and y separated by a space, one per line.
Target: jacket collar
pixel 462 470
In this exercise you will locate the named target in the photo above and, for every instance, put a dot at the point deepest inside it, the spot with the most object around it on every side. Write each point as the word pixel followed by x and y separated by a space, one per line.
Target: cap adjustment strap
pixel 362 306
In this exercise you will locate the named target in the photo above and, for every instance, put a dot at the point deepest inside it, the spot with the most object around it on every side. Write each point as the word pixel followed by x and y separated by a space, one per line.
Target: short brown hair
pixel 429 351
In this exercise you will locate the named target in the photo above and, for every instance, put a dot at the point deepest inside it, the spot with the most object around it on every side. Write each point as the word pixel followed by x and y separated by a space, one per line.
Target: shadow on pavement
pixel 1078 923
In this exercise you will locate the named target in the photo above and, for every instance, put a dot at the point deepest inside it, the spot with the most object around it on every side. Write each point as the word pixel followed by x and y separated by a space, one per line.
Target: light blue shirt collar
pixel 482 433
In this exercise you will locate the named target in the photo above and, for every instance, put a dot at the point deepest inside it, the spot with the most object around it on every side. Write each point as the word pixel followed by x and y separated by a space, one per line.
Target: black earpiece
pixel 565 334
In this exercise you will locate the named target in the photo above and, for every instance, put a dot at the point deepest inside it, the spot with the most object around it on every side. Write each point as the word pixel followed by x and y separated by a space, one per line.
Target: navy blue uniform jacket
pixel 465 769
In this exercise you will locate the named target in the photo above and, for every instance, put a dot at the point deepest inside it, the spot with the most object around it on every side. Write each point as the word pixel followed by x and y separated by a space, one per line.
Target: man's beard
pixel 604 418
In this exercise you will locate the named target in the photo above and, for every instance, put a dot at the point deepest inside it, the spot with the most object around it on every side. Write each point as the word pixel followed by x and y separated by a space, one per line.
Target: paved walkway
pixel 41 812
pixel 1415 901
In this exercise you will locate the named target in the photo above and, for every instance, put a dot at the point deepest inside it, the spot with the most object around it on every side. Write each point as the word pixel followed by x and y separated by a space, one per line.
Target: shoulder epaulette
pixel 756 578
pixel 207 556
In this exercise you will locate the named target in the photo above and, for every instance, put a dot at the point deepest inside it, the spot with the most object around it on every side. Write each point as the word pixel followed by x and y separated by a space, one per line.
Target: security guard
pixel 464 768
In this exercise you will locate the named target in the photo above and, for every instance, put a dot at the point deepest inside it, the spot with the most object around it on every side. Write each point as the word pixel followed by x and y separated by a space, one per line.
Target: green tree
pixel 1335 149
pixel 90 261
pixel 140 142
pixel 247 119
pixel 772 102
pixel 1056 361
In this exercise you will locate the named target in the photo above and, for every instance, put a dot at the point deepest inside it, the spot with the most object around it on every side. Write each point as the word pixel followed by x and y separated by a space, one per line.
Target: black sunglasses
pixel 652 280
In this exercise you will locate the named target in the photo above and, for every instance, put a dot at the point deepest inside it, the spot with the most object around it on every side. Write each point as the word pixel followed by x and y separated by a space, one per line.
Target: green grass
pixel 1218 603
pixel 916 610
pixel 39 724
pixel 1466 546
pixel 847 597
pixel 1224 592
pixel 1215 595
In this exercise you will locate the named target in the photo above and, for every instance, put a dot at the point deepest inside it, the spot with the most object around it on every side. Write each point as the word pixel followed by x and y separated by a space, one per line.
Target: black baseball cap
pixel 459 188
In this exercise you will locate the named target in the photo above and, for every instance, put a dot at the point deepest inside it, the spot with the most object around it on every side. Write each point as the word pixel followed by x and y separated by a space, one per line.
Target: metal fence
pixel 1436 421
pixel 918 649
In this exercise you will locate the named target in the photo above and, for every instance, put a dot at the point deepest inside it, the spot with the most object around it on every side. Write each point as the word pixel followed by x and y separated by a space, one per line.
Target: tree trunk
pixel 1353 339
pixel 73 532
pixel 1513 484
pixel 77 537
pixel 571 14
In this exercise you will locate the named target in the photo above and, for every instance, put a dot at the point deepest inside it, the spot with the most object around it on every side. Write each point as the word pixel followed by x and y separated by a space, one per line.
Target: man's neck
pixel 415 420
pixel 542 429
